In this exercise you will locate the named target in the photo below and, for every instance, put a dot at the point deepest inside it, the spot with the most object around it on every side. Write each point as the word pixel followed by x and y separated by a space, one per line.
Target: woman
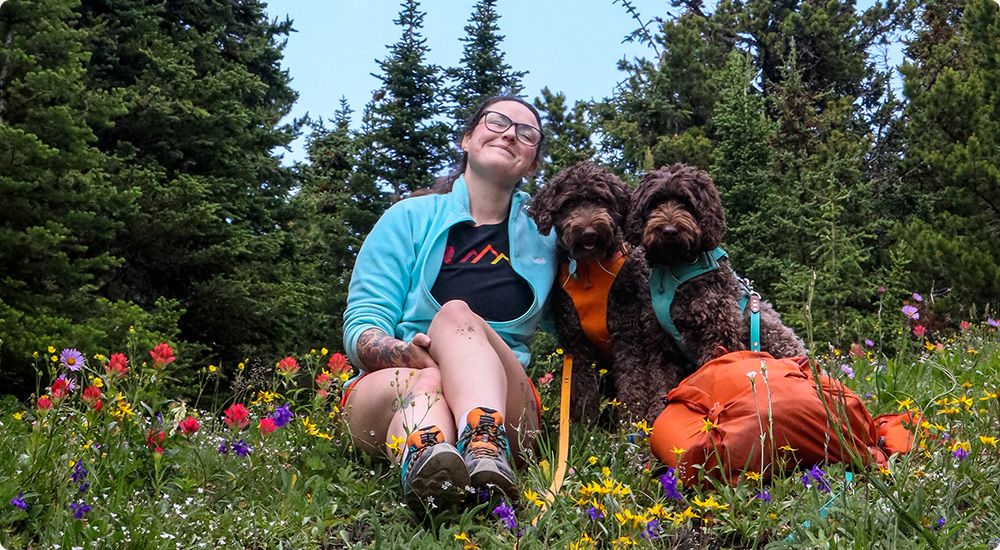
pixel 445 295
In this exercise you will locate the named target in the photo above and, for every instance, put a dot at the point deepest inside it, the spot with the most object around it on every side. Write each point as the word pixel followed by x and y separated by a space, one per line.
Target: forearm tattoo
pixel 378 350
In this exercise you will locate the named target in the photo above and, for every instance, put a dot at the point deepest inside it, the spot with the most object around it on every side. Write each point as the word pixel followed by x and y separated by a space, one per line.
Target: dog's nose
pixel 669 230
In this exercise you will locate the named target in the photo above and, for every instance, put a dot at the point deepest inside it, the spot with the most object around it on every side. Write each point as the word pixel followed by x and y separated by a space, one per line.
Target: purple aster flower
pixel 594 513
pixel 819 476
pixel 993 322
pixel 506 515
pixel 917 297
pixel 869 343
pixel 652 530
pixel 18 502
pixel 70 383
pixel 945 436
pixel 911 312
pixel 669 482
pixel 847 370
pixel 72 359
pixel 764 495
pixel 241 448
pixel 283 415
pixel 961 453
pixel 79 472
pixel 79 509
pixel 223 448
pixel 939 523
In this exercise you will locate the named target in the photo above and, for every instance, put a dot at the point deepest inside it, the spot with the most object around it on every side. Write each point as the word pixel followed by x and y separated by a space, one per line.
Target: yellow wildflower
pixel 685 515
pixel 54 358
pixel 966 384
pixel 212 368
pixel 928 345
pixel 658 510
pixel 559 351
pixel 52 349
pixel 752 476
pixel 344 376
pixel 787 448
pixel 464 539
pixel 100 357
pixel 20 415
pixel 606 472
pixel 643 427
pixel 904 404
pixel 710 503
pixel 988 440
pixel 324 351
pixel 964 445
pixel 678 451
pixel 989 395
pixel 602 372
pixel 584 542
pixel 394 446
pixel 264 396
pixel 707 425
pixel 131 329
pixel 592 460
pixel 532 497
pixel 884 471
pixel 241 366
pixel 544 466
pixel 615 403
pixel 967 401
pixel 97 381
pixel 622 541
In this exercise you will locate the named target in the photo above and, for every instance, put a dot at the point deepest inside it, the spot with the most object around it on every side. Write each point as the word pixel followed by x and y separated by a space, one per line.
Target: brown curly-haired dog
pixel 675 218
pixel 587 206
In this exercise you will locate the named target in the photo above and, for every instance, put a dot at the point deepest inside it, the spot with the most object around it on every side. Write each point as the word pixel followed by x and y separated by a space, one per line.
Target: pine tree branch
pixel 7 41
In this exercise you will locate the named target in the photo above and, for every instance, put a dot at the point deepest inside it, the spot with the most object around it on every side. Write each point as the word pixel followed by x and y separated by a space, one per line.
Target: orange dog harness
pixel 588 286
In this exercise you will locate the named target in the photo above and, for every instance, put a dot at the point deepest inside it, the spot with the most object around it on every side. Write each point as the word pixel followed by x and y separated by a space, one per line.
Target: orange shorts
pixel 349 387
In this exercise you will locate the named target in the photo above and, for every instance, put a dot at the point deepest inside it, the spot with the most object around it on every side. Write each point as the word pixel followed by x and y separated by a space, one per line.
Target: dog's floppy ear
pixel 708 207
pixel 638 205
pixel 545 204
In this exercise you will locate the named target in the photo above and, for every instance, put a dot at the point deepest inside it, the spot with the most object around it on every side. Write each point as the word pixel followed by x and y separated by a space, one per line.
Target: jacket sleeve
pixel 380 279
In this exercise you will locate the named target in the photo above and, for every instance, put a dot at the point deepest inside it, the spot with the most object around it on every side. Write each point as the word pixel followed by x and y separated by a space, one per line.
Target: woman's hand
pixel 381 351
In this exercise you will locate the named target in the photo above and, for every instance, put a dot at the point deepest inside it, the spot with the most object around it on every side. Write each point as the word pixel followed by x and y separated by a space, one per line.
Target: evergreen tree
pixel 756 208
pixel 407 142
pixel 951 156
pixel 482 73
pixel 60 209
pixel 567 133
pixel 204 92
pixel 330 212
pixel 661 112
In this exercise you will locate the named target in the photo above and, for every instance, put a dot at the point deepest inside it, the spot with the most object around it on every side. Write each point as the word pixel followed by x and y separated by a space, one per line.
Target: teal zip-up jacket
pixel 400 259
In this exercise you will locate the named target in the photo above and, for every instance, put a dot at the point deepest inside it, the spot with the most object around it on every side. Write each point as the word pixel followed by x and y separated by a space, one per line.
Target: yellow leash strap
pixel 563 460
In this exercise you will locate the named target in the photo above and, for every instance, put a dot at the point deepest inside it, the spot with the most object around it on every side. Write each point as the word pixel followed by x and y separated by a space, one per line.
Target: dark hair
pixel 444 184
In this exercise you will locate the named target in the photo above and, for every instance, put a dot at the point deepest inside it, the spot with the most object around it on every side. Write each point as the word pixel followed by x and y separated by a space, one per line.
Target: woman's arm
pixel 378 350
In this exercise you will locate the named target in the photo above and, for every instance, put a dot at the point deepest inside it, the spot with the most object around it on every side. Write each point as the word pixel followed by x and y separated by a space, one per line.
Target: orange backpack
pixel 715 418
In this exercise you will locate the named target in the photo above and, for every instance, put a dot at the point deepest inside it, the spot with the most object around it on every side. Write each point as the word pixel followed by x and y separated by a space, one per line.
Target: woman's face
pixel 501 156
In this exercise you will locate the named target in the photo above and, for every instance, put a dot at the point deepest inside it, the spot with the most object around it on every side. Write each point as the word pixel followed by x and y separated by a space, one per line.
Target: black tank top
pixel 476 269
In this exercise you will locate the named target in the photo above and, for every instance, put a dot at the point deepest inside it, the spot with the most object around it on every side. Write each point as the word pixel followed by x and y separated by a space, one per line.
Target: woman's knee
pixel 454 314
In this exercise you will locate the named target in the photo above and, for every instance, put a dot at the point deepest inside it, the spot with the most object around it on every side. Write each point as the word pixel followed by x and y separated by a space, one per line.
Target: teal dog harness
pixel 663 284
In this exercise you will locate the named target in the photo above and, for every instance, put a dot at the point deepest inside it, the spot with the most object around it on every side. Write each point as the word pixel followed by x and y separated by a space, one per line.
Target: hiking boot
pixel 485 448
pixel 434 474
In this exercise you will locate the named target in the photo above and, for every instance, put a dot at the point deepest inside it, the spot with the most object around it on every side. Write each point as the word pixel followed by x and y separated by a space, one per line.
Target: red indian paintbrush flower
pixel 237 417
pixel 44 403
pixel 188 426
pixel 92 396
pixel 288 366
pixel 117 366
pixel 267 425
pixel 338 363
pixel 155 439
pixel 162 355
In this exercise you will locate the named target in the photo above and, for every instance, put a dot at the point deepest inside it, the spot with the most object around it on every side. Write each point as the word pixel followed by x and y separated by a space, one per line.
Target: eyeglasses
pixel 499 123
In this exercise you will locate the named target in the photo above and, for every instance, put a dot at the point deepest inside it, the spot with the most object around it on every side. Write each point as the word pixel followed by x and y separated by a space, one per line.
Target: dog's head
pixel 587 205
pixel 675 213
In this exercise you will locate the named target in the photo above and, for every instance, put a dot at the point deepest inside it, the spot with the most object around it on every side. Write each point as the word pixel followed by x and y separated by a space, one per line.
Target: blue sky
pixel 572 47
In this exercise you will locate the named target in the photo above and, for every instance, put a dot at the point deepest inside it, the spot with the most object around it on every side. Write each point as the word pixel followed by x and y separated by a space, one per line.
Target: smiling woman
pixel 446 292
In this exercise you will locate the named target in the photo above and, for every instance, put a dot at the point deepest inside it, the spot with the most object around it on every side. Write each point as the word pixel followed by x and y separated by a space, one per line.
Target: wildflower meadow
pixel 102 457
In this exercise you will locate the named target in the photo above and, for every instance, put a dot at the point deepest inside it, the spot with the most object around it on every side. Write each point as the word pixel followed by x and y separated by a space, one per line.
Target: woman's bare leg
pixel 393 403
pixel 478 369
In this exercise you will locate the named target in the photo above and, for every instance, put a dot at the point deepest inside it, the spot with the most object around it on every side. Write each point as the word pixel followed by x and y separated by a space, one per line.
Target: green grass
pixel 303 487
